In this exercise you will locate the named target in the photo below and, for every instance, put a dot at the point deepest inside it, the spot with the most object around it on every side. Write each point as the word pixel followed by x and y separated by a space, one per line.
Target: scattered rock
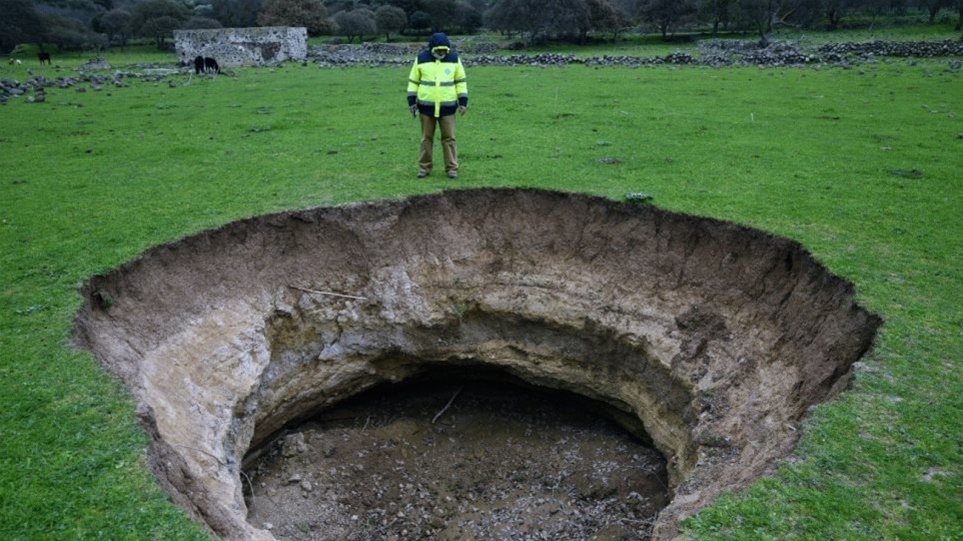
pixel 933 473
pixel 96 81
pixel 917 49
pixel 509 464
pixel 96 64
pixel 294 444
pixel 715 53
pixel 327 449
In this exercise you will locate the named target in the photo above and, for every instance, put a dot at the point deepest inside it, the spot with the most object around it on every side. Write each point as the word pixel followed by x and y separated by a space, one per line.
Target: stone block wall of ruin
pixel 243 46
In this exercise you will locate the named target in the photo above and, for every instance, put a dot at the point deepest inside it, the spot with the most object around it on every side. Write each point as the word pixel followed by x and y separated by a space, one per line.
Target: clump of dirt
pixel 715 339
pixel 458 460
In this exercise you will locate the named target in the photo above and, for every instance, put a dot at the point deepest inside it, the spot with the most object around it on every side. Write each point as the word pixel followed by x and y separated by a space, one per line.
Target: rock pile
pixel 96 64
pixel 484 47
pixel 919 49
pixel 536 60
pixel 728 52
pixel 714 53
pixel 383 54
pixel 387 49
pixel 780 54
pixel 367 54
pixel 36 84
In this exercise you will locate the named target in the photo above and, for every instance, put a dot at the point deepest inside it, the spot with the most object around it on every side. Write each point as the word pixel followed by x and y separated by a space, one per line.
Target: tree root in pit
pixel 502 462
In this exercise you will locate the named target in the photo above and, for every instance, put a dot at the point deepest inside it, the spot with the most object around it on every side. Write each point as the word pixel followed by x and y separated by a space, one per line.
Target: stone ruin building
pixel 243 46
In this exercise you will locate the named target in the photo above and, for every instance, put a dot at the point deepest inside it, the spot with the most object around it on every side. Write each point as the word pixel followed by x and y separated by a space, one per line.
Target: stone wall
pixel 243 46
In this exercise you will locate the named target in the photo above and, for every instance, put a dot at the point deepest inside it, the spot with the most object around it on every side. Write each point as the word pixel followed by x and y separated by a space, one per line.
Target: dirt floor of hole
pixel 500 462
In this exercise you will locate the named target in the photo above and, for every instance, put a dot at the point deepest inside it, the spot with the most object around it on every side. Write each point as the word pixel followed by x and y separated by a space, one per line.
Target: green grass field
pixel 863 166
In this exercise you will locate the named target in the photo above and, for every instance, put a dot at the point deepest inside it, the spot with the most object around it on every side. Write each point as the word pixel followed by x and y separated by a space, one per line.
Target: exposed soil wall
pixel 716 337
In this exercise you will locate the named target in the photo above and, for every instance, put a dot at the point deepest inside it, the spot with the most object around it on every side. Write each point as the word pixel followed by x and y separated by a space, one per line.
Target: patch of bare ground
pixel 714 339
pixel 469 459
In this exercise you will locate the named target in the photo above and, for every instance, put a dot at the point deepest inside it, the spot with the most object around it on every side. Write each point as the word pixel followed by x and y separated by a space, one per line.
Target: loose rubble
pixel 918 49
pixel 86 78
pixel 501 462
pixel 713 53
pixel 37 84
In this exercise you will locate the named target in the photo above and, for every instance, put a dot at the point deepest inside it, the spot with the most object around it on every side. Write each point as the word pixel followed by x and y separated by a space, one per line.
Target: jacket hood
pixel 437 40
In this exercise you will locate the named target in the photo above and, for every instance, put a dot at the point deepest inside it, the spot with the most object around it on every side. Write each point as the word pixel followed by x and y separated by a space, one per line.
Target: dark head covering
pixel 438 39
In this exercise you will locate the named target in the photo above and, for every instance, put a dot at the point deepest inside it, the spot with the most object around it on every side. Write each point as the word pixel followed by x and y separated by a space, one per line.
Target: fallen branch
pixel 251 487
pixel 329 293
pixel 448 405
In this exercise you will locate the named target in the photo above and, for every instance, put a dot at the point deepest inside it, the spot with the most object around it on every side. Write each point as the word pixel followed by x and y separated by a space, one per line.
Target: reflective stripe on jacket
pixel 437 86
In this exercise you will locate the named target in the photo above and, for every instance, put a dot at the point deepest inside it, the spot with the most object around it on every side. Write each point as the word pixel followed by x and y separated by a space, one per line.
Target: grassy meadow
pixel 864 166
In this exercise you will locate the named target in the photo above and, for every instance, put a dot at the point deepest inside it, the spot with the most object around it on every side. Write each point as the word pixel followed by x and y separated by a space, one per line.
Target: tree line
pixel 95 24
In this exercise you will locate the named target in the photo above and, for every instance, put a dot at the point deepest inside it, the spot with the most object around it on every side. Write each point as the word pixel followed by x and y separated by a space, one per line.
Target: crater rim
pixel 717 337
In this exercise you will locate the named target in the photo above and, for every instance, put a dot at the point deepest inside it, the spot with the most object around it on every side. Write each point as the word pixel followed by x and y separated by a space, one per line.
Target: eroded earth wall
pixel 717 337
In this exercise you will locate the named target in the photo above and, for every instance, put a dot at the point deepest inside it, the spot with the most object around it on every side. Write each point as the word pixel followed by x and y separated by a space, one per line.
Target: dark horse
pixel 210 65
pixel 206 65
pixel 44 56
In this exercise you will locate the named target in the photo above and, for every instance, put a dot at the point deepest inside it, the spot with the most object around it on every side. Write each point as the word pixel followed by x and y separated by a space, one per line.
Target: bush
pixel 157 19
pixel 201 23
pixel 357 22
pixel 69 34
pixel 19 24
pixel 310 14
pixel 114 23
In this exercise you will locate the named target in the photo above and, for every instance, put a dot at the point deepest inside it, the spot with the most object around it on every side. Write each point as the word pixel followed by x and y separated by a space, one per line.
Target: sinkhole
pixel 254 350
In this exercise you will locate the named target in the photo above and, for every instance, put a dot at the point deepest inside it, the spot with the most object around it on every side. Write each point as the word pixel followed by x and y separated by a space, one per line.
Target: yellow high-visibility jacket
pixel 437 86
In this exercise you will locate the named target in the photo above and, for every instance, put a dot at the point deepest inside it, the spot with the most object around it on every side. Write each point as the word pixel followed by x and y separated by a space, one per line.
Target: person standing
pixel 437 89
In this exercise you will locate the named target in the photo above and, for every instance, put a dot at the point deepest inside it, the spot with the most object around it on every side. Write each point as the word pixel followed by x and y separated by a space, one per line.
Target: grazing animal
pixel 205 65
pixel 44 56
pixel 210 65
pixel 14 61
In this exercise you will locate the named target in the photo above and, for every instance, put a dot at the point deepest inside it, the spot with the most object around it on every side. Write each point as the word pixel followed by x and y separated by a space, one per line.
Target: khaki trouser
pixel 447 141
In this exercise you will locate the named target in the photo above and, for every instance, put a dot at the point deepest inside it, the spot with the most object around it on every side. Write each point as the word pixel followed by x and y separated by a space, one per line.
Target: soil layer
pixel 713 337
